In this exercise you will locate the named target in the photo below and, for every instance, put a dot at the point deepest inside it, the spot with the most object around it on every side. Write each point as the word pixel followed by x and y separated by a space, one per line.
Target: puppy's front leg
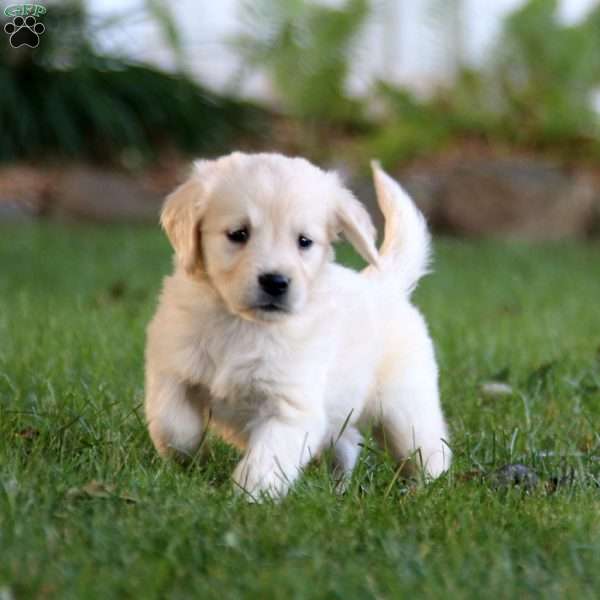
pixel 174 415
pixel 278 448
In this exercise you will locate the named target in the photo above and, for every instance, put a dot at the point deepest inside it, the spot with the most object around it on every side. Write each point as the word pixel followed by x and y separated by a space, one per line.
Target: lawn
pixel 87 510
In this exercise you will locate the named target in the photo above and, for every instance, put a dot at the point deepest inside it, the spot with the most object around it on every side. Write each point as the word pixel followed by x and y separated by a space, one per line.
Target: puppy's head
pixel 259 228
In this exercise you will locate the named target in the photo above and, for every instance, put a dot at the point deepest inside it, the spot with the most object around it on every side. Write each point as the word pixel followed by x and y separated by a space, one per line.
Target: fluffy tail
pixel 405 252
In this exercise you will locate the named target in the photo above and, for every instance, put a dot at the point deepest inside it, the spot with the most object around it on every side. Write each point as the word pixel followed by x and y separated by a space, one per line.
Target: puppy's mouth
pixel 265 311
pixel 271 307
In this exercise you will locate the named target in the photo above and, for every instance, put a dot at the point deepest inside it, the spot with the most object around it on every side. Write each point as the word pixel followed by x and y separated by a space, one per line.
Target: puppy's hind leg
pixel 346 449
pixel 174 415
pixel 411 423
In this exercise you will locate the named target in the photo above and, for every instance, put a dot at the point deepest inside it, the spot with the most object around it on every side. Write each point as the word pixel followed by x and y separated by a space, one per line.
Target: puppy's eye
pixel 238 236
pixel 304 242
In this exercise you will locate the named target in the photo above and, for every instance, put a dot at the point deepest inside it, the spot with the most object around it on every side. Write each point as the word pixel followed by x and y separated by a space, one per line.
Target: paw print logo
pixel 24 32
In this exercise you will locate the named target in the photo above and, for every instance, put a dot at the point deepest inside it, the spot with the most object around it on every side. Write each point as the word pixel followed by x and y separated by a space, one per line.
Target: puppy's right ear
pixel 181 214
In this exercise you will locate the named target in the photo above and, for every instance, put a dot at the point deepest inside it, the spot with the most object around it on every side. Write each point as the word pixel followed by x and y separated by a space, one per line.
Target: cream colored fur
pixel 346 349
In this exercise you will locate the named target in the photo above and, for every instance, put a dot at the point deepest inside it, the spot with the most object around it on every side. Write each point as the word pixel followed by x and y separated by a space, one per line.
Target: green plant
pixel 535 91
pixel 412 127
pixel 306 49
pixel 546 73
pixel 68 98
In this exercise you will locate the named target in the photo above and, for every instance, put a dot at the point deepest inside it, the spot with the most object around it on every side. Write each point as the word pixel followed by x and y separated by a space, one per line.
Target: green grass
pixel 73 306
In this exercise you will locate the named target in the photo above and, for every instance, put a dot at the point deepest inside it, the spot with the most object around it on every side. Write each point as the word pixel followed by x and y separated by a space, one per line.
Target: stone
pixel 515 475
pixel 515 197
pixel 12 211
pixel 496 388
pixel 24 192
pixel 95 194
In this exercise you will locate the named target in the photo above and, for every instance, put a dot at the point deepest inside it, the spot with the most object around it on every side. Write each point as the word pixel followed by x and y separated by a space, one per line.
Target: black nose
pixel 274 284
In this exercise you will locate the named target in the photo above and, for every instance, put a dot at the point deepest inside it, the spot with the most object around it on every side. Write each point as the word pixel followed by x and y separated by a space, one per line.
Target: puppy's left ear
pixel 355 223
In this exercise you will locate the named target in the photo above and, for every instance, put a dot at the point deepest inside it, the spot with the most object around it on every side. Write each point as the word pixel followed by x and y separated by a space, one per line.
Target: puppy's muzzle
pixel 274 284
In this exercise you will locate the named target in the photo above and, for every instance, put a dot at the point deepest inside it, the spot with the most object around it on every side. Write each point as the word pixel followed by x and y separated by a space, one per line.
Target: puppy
pixel 262 337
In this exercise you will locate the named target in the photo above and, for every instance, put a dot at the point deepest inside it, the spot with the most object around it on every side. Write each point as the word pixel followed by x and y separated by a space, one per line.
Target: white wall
pixel 405 42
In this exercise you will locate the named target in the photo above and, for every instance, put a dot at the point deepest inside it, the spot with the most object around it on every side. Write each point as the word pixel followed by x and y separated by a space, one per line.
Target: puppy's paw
pixel 437 462
pixel 260 481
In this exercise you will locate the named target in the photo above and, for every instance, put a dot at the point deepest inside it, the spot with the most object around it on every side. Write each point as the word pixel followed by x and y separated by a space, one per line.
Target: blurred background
pixel 488 112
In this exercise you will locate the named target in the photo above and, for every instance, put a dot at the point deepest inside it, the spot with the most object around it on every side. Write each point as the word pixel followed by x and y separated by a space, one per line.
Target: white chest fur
pixel 247 371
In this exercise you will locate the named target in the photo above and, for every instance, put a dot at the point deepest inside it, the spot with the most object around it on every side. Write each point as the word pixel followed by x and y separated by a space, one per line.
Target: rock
pixel 496 388
pixel 12 211
pixel 24 192
pixel 87 192
pixel 94 194
pixel 510 197
pixel 514 475
pixel 6 593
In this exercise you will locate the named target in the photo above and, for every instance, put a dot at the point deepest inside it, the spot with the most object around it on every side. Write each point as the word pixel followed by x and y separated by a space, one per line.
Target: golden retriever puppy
pixel 260 336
